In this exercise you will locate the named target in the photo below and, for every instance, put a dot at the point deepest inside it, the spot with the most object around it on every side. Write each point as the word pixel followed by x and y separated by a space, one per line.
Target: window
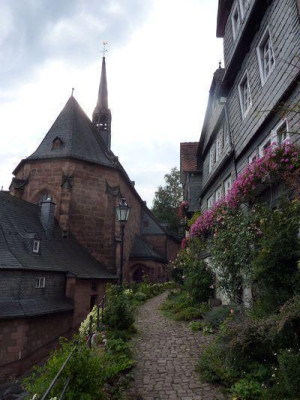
pixel 245 95
pixel 280 132
pixel 253 157
pixel 40 282
pixel 236 21
pixel 266 59
pixel 219 193
pixel 36 246
pixel 227 185
pixel 212 158
pixel 220 144
pixel 210 201
pixel 57 143
pixel 264 145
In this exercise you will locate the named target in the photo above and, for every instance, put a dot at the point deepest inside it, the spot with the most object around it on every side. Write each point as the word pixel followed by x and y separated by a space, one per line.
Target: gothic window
pixel 44 197
pixel 266 57
pixel 245 95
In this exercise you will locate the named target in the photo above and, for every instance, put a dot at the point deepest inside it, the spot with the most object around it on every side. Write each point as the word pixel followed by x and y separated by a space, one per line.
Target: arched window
pixel 140 272
pixel 57 143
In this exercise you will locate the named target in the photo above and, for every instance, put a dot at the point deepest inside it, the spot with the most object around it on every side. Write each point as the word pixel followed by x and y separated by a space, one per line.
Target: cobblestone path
pixel 166 353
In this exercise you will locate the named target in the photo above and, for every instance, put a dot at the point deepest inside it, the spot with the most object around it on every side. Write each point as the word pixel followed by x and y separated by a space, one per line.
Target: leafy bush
pixel 217 316
pixel 140 296
pixel 247 389
pixel 181 307
pixel 119 311
pixel 90 371
pixel 289 371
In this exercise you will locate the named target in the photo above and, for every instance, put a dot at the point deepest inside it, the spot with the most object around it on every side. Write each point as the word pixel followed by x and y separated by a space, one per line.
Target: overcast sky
pixel 162 54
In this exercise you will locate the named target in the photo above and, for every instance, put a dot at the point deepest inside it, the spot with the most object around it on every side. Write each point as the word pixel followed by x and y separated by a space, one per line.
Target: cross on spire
pixel 104 48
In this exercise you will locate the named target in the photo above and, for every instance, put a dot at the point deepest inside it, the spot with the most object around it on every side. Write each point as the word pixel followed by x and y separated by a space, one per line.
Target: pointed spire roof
pixel 77 138
pixel 103 93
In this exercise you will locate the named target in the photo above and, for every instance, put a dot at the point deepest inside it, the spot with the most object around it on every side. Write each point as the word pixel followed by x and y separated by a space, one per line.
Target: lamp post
pixel 122 211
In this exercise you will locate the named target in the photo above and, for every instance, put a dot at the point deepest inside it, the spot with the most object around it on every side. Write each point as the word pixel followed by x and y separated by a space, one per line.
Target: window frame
pixel 235 28
pixel 243 81
pixel 210 201
pixel 262 146
pixel 219 193
pixel 275 134
pixel 40 282
pixel 253 154
pixel 260 55
pixel 212 158
pixel 36 246
pixel 226 190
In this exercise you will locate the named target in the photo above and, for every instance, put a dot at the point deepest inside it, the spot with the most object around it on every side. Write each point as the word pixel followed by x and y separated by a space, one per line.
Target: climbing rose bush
pixel 277 161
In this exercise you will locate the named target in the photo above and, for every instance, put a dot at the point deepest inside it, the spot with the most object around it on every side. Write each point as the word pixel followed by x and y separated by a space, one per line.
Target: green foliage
pixel 140 296
pixel 216 316
pixel 167 200
pixel 90 371
pixel 275 269
pixel 247 389
pixel 119 311
pixel 193 273
pixel 232 248
pixel 257 358
pixel 289 371
pixel 181 307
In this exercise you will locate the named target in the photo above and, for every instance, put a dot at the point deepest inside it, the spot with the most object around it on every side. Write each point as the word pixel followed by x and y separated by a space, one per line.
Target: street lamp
pixel 122 211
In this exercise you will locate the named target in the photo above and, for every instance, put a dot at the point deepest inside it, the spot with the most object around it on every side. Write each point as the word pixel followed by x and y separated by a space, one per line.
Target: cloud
pixel 34 32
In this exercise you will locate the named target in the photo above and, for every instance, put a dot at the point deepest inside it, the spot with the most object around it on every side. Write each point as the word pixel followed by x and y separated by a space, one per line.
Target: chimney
pixel 47 215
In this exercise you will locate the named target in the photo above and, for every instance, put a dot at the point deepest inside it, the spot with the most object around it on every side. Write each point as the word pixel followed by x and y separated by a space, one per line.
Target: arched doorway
pixel 139 273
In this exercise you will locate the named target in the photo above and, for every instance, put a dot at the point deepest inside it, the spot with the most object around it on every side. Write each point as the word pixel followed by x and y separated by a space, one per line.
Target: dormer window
pixel 36 246
pixel 57 143
pixel 40 282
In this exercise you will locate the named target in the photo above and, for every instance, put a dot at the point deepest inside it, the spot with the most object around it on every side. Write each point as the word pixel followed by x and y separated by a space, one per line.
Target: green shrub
pixel 213 366
pixel 289 371
pixel 140 296
pixel 247 389
pixel 196 326
pixel 189 314
pixel 217 316
pixel 119 311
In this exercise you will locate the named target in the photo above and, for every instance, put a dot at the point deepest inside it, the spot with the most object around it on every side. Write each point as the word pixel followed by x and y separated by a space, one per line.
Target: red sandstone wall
pixel 26 341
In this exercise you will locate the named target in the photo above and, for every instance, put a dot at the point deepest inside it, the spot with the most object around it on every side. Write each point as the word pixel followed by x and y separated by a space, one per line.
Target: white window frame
pixel 219 193
pixel 36 246
pixel 226 186
pixel 253 157
pixel 243 82
pixel 40 282
pixel 236 26
pixel 210 201
pixel 261 56
pixel 275 135
pixel 262 146
pixel 220 144
pixel 211 157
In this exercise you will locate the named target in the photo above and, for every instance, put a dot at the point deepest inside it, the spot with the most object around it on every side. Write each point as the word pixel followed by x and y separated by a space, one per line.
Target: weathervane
pixel 72 91
pixel 104 48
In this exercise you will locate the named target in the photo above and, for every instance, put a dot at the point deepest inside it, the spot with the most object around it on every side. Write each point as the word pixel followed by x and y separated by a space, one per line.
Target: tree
pixel 167 199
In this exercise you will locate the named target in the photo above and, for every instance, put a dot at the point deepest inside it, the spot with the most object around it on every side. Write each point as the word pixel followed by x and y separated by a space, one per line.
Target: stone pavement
pixel 166 353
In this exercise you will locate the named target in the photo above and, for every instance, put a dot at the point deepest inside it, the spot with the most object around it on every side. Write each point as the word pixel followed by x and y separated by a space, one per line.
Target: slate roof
pixel 32 307
pixel 142 250
pixel 18 221
pixel 149 226
pixel 80 139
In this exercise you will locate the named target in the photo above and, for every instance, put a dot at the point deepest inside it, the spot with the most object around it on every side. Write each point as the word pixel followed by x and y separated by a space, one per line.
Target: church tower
pixel 102 115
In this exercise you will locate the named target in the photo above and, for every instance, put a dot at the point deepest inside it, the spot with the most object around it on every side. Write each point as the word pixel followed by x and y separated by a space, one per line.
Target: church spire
pixel 102 114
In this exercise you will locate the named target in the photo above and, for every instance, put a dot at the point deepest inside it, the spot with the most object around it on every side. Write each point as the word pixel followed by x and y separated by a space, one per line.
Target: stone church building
pixel 59 236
